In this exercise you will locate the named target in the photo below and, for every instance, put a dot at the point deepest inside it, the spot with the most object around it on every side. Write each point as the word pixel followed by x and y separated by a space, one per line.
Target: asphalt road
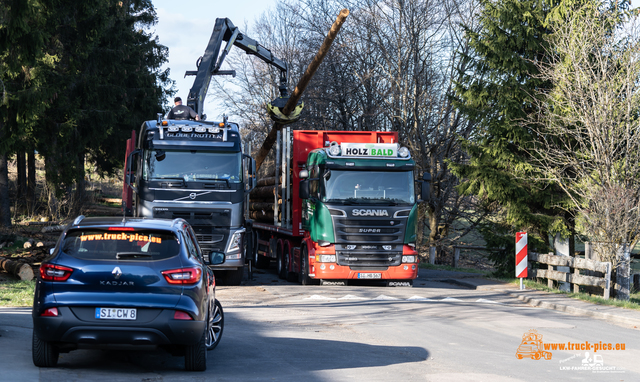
pixel 280 331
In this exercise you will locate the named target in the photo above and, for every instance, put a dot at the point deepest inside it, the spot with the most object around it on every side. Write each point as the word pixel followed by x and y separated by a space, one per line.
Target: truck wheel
pixel 44 353
pixel 261 262
pixel 283 265
pixel 215 326
pixel 303 276
pixel 195 357
pixel 536 356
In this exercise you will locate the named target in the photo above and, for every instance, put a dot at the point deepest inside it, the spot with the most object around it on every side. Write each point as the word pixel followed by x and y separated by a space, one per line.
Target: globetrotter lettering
pixel 357 212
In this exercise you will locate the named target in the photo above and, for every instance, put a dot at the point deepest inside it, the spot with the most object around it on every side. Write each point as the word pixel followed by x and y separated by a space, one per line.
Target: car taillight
pixel 51 272
pixel 183 275
pixel 178 315
pixel 51 312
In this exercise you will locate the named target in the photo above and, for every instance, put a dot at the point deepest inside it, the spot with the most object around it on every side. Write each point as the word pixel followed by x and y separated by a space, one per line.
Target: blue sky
pixel 185 28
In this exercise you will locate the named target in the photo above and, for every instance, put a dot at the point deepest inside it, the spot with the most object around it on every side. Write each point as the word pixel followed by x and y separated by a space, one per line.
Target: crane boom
pixel 209 64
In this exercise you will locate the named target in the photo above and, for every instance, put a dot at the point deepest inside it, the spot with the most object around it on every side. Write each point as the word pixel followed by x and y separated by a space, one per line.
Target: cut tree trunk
pixel 17 268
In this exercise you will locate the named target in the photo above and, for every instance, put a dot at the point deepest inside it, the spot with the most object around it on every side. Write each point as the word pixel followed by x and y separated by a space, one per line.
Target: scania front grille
pixel 373 230
pixel 369 259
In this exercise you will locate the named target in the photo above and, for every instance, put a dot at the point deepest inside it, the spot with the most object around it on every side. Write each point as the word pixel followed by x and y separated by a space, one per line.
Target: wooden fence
pixel 574 277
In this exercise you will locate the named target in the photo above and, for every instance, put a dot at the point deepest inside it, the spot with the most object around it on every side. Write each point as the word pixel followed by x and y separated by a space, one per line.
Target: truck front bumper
pixel 334 271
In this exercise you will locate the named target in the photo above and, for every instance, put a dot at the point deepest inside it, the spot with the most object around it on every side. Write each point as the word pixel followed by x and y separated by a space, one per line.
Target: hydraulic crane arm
pixel 209 64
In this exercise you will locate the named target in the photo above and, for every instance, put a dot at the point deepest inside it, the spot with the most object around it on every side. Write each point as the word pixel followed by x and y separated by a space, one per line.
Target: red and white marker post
pixel 521 256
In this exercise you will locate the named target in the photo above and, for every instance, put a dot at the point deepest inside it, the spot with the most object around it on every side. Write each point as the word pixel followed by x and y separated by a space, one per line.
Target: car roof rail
pixel 78 220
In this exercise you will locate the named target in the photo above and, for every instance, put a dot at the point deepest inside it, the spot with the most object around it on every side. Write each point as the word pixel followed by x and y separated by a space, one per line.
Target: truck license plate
pixel 116 314
pixel 369 275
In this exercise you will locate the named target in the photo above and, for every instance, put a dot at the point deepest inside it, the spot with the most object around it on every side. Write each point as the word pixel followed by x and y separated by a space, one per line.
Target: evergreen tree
pixel 107 82
pixel 497 94
pixel 22 59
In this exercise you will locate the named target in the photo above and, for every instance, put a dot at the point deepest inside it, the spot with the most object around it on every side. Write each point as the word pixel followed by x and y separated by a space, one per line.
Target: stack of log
pixel 261 199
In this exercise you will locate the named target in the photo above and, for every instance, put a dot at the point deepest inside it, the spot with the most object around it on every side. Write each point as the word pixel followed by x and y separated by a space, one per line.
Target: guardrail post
pixel 432 255
pixel 456 256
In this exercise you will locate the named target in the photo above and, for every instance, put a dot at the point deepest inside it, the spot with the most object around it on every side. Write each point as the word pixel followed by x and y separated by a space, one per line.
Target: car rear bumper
pixel 162 329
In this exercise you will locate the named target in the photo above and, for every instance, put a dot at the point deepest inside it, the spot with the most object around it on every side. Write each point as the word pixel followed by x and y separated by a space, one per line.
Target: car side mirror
pixel 216 258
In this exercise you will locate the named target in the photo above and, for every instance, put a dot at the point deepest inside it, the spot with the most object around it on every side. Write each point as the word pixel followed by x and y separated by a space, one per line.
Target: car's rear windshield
pixel 120 245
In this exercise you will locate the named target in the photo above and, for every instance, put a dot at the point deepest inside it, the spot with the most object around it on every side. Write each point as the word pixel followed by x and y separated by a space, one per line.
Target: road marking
pixel 487 301
pixel 351 297
pixel 450 299
pixel 318 297
pixel 386 298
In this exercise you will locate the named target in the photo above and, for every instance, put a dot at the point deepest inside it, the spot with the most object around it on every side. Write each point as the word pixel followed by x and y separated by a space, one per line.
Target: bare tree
pixel 391 68
pixel 589 134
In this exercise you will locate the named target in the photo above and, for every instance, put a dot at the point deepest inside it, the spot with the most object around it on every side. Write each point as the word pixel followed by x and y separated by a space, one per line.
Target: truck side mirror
pixel 251 173
pixel 130 176
pixel 304 188
pixel 425 190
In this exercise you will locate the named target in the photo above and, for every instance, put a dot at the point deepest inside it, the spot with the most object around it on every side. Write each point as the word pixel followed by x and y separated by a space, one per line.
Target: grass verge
pixel 16 293
pixel 633 303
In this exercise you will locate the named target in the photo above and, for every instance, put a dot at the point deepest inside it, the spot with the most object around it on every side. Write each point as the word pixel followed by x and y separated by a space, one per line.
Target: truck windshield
pixel 367 186
pixel 192 166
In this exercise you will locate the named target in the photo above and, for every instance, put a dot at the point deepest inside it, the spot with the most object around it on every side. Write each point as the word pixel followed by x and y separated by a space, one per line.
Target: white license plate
pixel 369 275
pixel 116 314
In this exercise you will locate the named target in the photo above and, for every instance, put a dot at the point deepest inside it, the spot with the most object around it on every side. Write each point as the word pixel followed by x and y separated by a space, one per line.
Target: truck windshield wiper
pixel 132 255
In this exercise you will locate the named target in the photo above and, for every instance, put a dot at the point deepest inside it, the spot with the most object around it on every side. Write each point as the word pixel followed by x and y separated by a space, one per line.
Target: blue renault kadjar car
pixel 114 282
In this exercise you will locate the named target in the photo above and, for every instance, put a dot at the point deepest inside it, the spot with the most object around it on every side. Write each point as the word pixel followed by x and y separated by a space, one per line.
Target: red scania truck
pixel 340 206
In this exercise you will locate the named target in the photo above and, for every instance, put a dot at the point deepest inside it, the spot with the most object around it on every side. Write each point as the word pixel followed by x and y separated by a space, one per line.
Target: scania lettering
pixel 338 206
pixel 370 213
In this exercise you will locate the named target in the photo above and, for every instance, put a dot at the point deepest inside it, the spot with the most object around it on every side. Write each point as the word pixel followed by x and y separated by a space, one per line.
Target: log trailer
pixel 196 170
pixel 340 206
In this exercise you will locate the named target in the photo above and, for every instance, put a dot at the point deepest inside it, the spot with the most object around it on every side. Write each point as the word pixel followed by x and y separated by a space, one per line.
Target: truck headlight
pixel 409 259
pixel 326 258
pixel 236 240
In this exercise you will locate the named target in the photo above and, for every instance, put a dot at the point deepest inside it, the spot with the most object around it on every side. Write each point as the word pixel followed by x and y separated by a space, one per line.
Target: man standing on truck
pixel 181 111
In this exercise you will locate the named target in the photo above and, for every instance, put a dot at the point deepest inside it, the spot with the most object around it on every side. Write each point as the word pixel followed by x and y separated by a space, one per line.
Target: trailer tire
pixel 303 276
pixel 283 266
pixel 261 262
